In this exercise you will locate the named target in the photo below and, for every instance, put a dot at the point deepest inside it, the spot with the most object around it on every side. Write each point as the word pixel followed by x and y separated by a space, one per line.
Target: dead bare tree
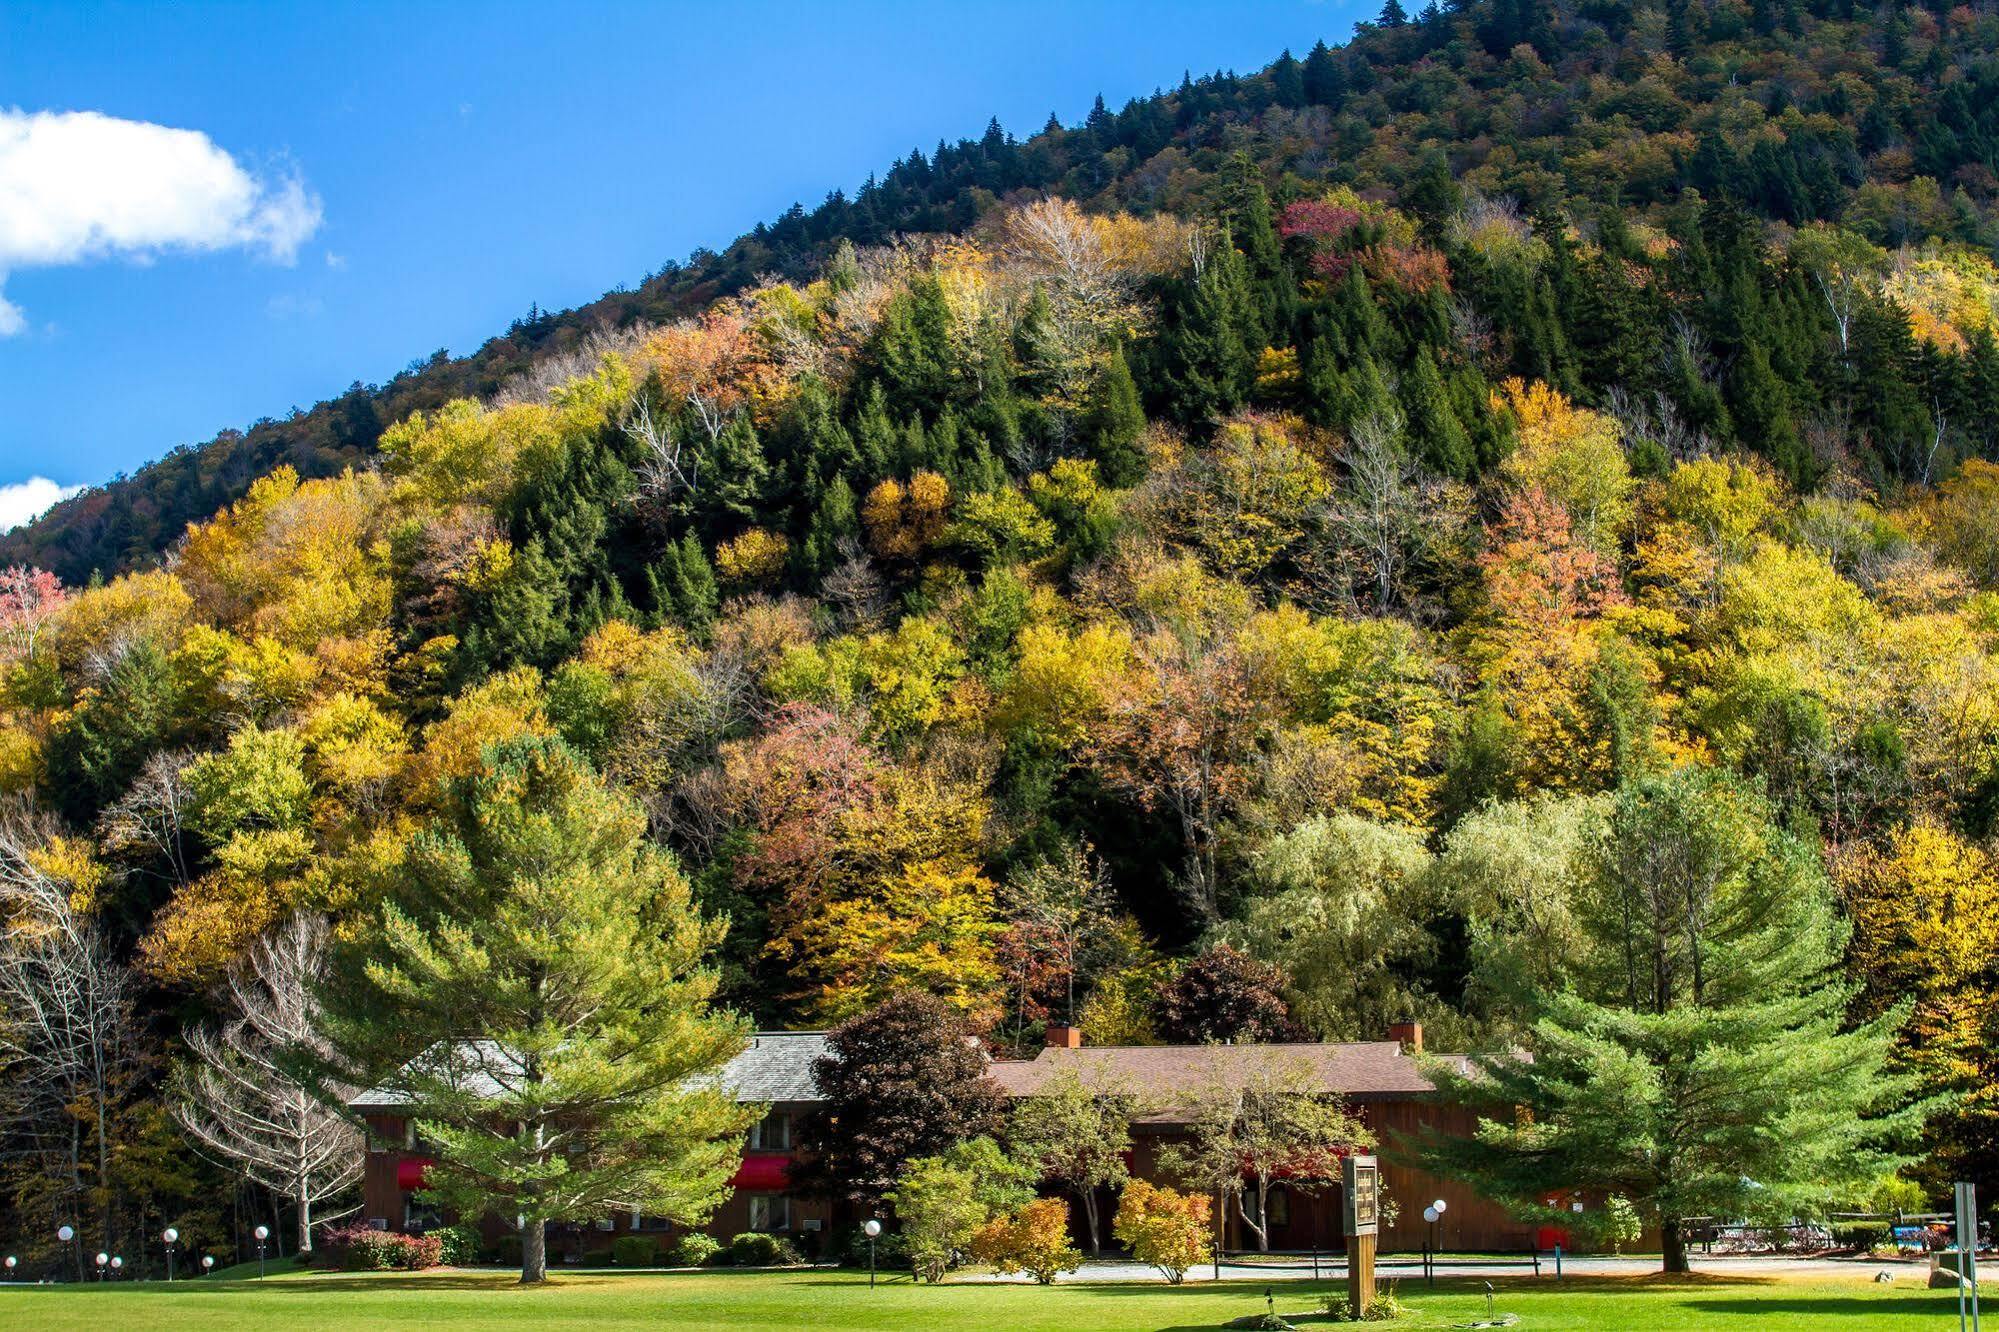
pixel 670 468
pixel 70 1050
pixel 1375 507
pixel 856 588
pixel 145 823
pixel 235 1098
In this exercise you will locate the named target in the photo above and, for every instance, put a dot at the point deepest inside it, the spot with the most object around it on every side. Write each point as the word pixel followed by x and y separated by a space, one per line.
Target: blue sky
pixel 414 176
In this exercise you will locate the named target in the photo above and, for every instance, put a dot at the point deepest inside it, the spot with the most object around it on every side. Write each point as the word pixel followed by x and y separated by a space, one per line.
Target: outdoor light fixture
pixel 12 1263
pixel 871 1228
pixel 207 1261
pixel 262 1233
pixel 117 1263
pixel 66 1233
pixel 170 1235
pixel 102 1259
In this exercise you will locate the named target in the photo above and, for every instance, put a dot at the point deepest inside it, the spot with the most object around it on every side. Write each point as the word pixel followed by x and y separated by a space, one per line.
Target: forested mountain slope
pixel 1799 113
pixel 1254 564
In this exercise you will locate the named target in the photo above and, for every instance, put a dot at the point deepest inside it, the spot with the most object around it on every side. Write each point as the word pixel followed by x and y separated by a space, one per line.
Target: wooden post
pixel 1360 1177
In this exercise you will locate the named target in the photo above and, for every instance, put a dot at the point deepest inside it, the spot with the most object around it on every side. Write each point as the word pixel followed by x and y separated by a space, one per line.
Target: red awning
pixel 410 1171
pixel 763 1172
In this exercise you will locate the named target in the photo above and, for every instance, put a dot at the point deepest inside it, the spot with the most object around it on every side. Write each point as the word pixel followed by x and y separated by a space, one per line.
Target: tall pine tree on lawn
pixel 1702 1064
pixel 534 988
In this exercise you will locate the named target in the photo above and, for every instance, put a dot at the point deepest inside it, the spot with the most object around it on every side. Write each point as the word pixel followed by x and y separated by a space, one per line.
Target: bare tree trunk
pixel 534 1253
pixel 1089 1196
pixel 1258 1227
pixel 302 1199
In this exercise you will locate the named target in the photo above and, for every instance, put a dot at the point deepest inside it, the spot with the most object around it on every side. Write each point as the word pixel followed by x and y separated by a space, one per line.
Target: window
pixel 772 1133
pixel 770 1211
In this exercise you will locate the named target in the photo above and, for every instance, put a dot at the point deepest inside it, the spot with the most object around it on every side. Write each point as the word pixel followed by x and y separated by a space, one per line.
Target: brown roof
pixel 1160 1073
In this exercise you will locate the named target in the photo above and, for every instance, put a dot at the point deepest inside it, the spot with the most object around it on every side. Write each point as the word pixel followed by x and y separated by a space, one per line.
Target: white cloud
pixel 27 500
pixel 79 185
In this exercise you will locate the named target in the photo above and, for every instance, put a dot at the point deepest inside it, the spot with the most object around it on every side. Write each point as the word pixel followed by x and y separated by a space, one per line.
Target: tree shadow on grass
pixel 1912 1305
pixel 351 1283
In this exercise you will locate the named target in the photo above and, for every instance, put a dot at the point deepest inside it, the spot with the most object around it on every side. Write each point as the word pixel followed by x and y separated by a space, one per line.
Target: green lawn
pixel 805 1299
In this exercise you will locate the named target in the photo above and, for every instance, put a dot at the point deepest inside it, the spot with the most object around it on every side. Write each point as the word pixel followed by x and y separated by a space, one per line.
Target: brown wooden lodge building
pixel 1380 1080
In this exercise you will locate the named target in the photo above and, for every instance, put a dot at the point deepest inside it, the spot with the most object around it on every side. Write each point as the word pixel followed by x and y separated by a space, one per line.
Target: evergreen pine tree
pixel 1436 436
pixel 543 961
pixel 1207 365
pixel 695 596
pixel 1761 410
pixel 876 439
pixel 1325 81
pixel 1113 423
pixel 1287 81
pixel 734 475
pixel 1702 1063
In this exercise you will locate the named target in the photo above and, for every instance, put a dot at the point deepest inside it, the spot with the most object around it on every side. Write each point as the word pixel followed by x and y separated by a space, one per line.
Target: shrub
pixel 1620 1225
pixel 693 1249
pixel 1386 1307
pixel 1163 1227
pixel 753 1248
pixel 595 1258
pixel 635 1251
pixel 940 1210
pixel 362 1249
pixel 458 1246
pixel 507 1251
pixel 891 1250
pixel 1864 1237
pixel 1034 1240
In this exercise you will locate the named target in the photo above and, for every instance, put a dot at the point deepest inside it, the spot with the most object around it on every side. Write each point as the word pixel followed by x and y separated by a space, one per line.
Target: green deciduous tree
pixel 1077 1136
pixel 1259 1122
pixel 942 1201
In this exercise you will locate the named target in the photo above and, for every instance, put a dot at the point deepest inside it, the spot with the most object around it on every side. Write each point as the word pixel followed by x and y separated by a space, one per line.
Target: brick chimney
pixel 1061 1037
pixel 1409 1035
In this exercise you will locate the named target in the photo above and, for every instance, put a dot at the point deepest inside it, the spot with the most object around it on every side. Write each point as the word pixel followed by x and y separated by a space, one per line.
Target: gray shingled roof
pixel 479 1067
pixel 776 1066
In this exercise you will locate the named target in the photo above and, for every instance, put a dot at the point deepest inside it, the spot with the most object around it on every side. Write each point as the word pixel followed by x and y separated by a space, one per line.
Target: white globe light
pixel 171 1235
pixel 12 1262
pixel 117 1263
pixel 1429 1214
pixel 208 1260
pixel 103 1258
pixel 66 1233
pixel 872 1229
pixel 1439 1205
pixel 263 1233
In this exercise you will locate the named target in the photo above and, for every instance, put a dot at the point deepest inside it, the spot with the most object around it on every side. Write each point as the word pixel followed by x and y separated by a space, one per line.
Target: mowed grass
pixel 824 1299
